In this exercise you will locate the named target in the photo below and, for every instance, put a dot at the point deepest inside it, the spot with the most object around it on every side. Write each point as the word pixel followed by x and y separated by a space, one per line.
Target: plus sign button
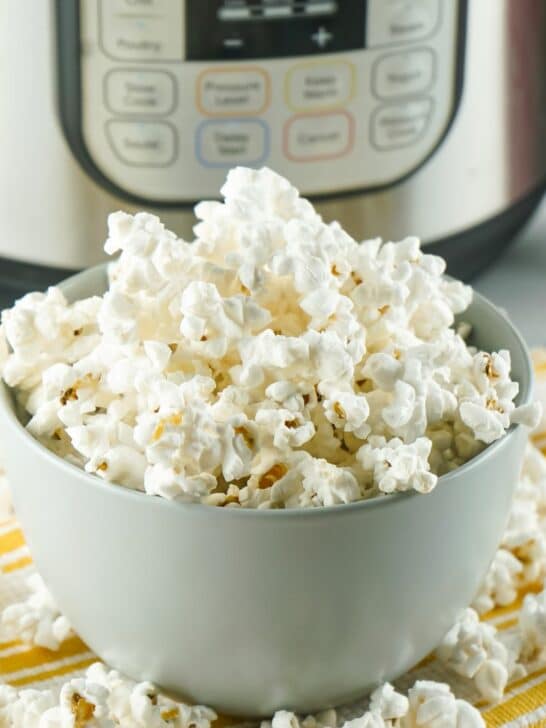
pixel 322 37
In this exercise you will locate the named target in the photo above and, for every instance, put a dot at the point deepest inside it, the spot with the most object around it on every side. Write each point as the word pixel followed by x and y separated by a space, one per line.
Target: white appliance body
pixel 398 116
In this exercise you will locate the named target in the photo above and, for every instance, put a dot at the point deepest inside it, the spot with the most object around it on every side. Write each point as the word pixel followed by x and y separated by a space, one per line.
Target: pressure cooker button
pixel 399 125
pixel 233 91
pixel 227 143
pixel 403 74
pixel 139 92
pixel 311 137
pixel 142 143
pixel 151 36
pixel 318 85
pixel 400 21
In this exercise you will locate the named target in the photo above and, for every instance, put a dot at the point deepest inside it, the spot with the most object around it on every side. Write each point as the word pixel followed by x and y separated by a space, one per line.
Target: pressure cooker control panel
pixel 337 95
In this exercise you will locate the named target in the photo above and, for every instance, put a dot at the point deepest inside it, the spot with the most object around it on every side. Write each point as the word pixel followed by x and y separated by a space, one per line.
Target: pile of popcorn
pixel 274 362
pixel 491 659
pixel 105 699
pixel 520 562
pixel 476 650
pixel 101 699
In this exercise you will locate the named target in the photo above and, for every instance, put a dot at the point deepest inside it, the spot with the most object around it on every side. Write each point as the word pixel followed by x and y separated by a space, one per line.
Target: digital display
pixel 244 29
pixel 235 10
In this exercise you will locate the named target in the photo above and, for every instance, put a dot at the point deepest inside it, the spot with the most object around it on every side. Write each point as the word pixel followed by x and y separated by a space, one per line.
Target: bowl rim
pixel 122 491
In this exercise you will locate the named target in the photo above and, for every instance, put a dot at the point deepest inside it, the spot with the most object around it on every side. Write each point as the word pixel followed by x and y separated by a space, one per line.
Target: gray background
pixel 517 281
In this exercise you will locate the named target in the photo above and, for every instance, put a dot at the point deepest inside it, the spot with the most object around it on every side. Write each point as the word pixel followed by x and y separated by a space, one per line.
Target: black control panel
pixel 242 29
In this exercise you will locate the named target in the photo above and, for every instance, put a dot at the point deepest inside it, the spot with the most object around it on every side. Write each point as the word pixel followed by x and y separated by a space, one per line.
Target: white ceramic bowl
pixel 251 611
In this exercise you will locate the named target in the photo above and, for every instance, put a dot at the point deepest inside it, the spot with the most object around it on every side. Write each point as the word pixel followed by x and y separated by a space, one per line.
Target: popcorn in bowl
pixel 274 362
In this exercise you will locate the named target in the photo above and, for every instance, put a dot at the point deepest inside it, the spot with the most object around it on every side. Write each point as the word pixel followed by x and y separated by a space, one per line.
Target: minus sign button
pixel 233 42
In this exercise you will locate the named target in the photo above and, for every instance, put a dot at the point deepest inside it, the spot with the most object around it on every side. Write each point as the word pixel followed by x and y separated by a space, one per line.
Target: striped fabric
pixel 524 704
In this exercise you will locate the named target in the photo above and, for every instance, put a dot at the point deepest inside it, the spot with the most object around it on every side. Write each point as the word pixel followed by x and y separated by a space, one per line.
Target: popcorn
pixel 41 330
pixel 348 412
pixel 486 421
pixel 428 705
pixel 270 354
pixel 500 584
pixel 390 705
pixel 81 702
pixel 8 696
pixel 36 620
pixel 286 429
pixel 487 405
pixel 383 370
pixel 326 484
pixel 529 415
pixel 275 337
pixel 101 699
pixel 396 466
pixel 472 649
pixel 400 411
pixel 32 709
pixel 532 626
pixel 212 325
pixel 286 719
pixel 433 705
pixel 521 560
pixel 370 719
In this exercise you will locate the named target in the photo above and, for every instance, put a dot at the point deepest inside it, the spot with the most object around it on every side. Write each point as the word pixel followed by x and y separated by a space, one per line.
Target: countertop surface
pixel 517 281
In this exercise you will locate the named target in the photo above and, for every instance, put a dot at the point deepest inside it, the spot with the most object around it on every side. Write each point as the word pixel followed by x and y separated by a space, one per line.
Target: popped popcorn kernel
pixel 36 620
pixel 81 709
pixel 474 650
pixel 532 626
pixel 275 473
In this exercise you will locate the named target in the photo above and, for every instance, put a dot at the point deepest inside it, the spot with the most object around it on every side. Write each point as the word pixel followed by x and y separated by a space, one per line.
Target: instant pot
pixel 395 116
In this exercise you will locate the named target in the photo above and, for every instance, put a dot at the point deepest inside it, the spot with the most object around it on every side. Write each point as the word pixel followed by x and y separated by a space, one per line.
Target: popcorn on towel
pixel 37 620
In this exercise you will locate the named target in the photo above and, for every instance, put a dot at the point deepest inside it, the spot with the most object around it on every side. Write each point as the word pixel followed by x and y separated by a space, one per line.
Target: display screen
pixel 235 10
pixel 232 29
